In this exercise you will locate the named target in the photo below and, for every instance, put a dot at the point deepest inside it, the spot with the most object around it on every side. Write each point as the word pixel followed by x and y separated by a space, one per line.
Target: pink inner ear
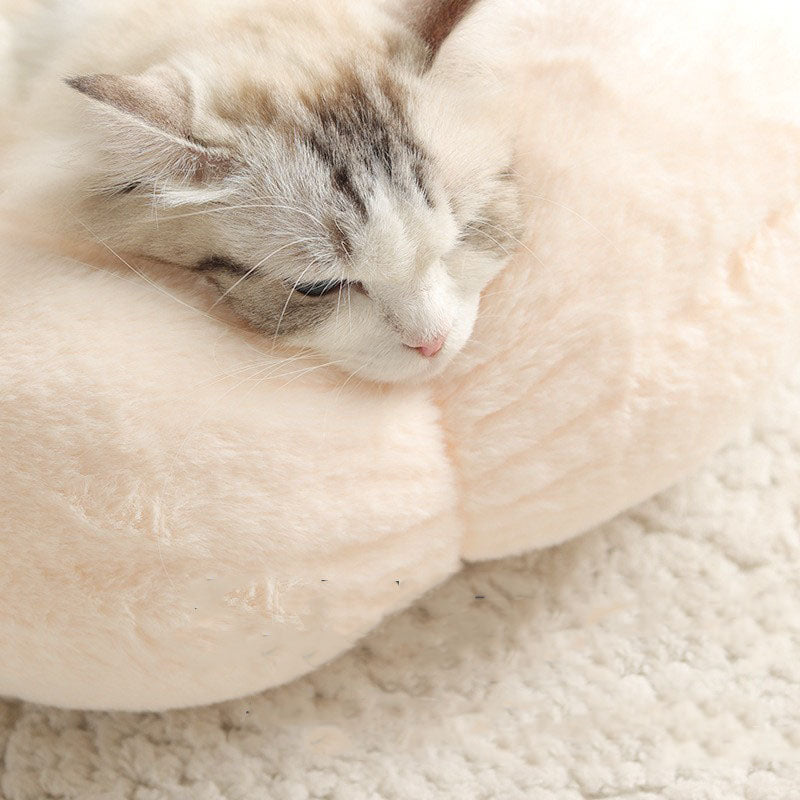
pixel 152 139
pixel 159 97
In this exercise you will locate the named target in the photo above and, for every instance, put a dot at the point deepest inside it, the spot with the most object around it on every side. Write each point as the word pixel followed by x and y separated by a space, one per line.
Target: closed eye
pixel 320 288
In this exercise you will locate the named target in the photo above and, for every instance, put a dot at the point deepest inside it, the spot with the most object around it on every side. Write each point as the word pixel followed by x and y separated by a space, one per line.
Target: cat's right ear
pixel 144 126
pixel 434 20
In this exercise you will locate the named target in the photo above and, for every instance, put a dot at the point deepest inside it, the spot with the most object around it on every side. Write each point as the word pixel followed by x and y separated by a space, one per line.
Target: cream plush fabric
pixel 175 534
pixel 656 658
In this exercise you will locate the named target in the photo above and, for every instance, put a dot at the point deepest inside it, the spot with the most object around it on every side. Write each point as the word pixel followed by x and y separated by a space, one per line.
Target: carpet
pixel 655 657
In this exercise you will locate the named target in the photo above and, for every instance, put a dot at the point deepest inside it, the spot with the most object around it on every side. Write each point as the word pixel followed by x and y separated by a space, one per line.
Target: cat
pixel 311 159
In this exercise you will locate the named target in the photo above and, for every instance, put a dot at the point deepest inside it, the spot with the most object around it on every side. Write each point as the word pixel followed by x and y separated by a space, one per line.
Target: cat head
pixel 355 206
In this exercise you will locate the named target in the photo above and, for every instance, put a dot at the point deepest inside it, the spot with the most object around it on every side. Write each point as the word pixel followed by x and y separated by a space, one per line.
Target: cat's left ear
pixel 145 130
pixel 435 20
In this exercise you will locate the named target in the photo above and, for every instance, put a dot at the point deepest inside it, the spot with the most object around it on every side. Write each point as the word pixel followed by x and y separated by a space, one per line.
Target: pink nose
pixel 431 348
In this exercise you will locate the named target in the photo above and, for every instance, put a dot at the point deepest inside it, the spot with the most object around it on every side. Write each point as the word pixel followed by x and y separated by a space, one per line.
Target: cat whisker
pixel 252 270
pixel 263 375
pixel 350 377
pixel 142 275
pixel 300 373
pixel 274 372
pixel 248 206
pixel 477 230
pixel 338 302
pixel 288 300
pixel 303 211
pixel 386 350
pixel 510 236
pixel 254 365
pixel 576 214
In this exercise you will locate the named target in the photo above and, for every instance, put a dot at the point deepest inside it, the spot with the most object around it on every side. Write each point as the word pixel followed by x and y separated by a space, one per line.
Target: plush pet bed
pixel 179 528
pixel 655 658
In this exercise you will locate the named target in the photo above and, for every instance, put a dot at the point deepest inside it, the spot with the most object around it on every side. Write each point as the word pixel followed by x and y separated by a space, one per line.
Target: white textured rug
pixel 656 657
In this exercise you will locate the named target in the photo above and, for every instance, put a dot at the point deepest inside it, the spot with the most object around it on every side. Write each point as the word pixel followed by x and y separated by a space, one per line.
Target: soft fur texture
pixel 175 533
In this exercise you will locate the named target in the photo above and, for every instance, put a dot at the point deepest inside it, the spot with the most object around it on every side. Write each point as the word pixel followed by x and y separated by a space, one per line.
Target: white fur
pixel 166 536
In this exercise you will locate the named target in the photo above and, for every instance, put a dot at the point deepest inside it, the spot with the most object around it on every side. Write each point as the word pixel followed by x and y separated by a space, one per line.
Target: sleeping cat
pixel 309 158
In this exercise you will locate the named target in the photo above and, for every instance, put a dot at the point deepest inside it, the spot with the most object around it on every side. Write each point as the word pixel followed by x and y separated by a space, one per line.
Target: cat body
pixel 344 190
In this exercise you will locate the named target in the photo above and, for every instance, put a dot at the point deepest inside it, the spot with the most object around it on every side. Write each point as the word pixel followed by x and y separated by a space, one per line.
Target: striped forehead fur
pixel 355 122
pixel 359 129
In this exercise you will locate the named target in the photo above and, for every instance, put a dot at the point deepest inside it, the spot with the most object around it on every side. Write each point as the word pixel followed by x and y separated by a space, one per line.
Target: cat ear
pixel 435 20
pixel 145 133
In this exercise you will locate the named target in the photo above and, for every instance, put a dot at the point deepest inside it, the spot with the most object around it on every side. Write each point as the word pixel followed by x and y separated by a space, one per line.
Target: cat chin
pixel 400 364
pixel 406 365
pixel 412 368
